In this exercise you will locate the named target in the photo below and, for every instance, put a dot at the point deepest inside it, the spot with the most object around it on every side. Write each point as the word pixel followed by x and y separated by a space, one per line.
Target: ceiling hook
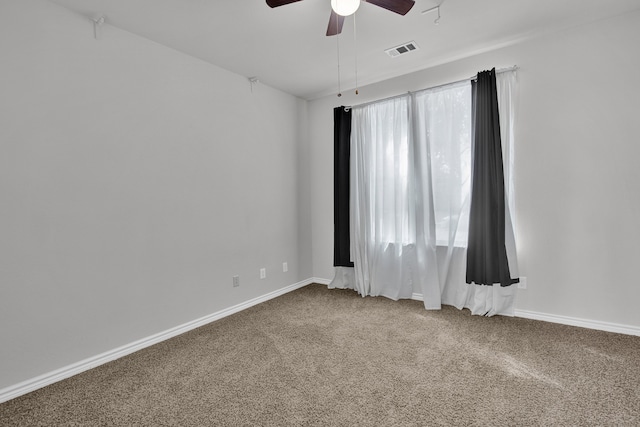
pixel 253 81
pixel 437 8
pixel 97 26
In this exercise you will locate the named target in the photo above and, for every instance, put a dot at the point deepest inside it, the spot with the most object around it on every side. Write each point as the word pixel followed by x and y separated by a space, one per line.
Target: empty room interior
pixel 168 181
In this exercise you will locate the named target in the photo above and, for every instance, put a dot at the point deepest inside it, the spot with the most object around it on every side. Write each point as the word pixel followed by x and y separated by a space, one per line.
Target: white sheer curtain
pixel 442 130
pixel 410 194
pixel 383 207
pixel 507 96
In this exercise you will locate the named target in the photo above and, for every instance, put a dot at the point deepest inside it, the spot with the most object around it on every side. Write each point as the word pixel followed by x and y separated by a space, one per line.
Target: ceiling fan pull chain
pixel 338 50
pixel 355 47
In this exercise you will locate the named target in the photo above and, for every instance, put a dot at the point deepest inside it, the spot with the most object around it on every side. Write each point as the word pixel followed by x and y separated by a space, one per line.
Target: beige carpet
pixel 331 358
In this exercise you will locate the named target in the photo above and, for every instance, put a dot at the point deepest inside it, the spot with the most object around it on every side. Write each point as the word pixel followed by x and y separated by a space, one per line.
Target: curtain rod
pixel 501 70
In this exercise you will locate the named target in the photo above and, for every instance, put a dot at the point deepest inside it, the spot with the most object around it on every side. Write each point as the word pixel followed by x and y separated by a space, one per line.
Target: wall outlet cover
pixel 523 283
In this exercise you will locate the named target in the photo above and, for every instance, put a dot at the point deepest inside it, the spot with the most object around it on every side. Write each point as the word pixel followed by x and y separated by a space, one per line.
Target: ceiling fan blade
pixel 398 6
pixel 335 24
pixel 276 3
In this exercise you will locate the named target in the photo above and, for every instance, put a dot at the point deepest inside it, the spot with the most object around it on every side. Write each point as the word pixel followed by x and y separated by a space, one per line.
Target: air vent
pixel 402 49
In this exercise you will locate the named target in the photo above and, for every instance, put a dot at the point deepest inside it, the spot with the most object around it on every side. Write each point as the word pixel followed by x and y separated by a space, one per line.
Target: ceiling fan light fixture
pixel 345 7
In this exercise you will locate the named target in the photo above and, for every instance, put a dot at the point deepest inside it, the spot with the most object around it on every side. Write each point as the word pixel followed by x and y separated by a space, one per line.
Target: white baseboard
pixel 583 323
pixel 44 380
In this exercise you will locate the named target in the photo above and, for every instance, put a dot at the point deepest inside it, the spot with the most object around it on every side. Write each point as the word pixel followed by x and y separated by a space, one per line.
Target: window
pixel 404 143
pixel 443 123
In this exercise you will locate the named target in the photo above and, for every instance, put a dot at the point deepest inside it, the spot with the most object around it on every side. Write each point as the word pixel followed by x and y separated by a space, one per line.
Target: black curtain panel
pixel 341 153
pixel 487 262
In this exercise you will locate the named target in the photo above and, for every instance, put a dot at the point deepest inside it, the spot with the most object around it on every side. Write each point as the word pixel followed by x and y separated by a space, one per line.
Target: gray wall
pixel 135 181
pixel 577 175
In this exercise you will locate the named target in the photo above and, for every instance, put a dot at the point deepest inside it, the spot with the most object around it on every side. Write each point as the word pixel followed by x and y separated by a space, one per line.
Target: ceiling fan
pixel 336 20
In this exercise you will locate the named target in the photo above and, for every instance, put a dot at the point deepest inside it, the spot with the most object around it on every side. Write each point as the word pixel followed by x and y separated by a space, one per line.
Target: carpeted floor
pixel 331 358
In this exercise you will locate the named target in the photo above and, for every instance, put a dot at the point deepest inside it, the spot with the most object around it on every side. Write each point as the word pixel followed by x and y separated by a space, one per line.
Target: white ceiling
pixel 286 47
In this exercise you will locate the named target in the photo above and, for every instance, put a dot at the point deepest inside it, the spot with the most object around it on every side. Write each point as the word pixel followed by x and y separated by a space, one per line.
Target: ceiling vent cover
pixel 402 49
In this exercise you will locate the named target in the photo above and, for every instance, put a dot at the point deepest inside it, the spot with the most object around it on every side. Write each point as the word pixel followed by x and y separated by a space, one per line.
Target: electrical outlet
pixel 285 267
pixel 263 273
pixel 236 281
pixel 523 283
